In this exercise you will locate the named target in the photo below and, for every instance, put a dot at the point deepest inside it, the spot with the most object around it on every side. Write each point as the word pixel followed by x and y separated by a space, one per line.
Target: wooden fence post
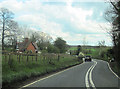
pixel 5 57
pixel 58 57
pixel 19 57
pixel 9 59
pixel 36 57
pixel 27 57
pixel 32 57
pixel 44 57
pixel 22 57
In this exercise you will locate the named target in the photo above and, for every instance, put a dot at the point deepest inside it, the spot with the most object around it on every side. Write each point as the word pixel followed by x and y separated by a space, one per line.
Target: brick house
pixel 27 45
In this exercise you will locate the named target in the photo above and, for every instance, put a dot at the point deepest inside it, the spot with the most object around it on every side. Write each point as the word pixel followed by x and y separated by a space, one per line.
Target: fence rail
pixel 8 56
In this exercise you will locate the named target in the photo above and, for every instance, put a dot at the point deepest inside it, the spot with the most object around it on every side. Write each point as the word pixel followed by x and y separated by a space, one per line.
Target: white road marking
pixel 89 73
pixel 86 78
pixel 50 76
pixel 112 71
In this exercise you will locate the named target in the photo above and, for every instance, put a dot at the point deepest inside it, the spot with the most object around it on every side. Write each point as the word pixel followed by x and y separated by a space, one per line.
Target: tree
pixel 52 49
pixel 113 16
pixel 85 42
pixel 110 53
pixel 61 44
pixel 42 39
pixel 101 43
pixel 35 37
pixel 6 17
pixel 14 32
pixel 78 50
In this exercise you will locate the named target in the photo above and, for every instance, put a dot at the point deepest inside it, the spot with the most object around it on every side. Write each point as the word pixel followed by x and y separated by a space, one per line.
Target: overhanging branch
pixel 115 7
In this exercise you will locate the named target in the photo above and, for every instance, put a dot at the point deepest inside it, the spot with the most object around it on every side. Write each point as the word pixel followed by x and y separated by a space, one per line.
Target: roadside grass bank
pixel 14 71
pixel 115 68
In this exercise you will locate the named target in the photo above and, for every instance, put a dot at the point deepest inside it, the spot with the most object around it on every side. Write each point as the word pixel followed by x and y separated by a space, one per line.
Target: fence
pixel 22 57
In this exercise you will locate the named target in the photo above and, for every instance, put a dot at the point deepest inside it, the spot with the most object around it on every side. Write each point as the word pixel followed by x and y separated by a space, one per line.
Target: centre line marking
pixel 86 78
pixel 89 73
pixel 90 76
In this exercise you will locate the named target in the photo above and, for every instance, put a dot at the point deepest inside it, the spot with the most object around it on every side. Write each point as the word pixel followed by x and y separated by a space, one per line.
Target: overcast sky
pixel 76 21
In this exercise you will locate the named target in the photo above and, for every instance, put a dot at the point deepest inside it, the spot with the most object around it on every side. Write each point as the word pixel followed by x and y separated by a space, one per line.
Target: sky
pixel 78 22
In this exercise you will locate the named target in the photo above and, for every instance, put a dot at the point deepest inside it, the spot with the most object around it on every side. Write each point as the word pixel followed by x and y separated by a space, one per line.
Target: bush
pixel 44 51
pixel 52 49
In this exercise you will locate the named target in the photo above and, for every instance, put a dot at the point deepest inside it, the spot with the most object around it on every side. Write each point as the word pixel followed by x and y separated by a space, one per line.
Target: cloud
pixel 56 20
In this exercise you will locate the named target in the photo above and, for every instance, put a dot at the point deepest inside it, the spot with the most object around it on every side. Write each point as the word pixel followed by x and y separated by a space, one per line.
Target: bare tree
pixel 42 39
pixel 6 17
pixel 113 16
pixel 101 43
pixel 85 42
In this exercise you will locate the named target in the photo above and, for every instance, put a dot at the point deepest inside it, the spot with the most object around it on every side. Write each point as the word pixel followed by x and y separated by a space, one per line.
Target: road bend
pixel 90 75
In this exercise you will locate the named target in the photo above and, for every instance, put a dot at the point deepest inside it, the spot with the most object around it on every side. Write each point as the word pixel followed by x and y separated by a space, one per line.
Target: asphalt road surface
pixel 88 75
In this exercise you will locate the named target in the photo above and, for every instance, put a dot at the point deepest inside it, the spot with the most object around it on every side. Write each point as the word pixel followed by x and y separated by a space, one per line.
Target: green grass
pixel 98 53
pixel 73 48
pixel 16 71
pixel 95 52
pixel 115 68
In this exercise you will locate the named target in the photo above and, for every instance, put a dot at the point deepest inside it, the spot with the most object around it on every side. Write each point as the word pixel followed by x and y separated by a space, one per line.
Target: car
pixel 88 58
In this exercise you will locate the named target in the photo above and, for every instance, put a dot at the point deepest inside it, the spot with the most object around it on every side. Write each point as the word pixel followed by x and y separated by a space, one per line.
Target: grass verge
pixel 115 68
pixel 18 72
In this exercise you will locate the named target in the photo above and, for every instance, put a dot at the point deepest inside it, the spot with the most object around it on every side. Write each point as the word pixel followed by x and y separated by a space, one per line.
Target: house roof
pixel 23 45
pixel 35 45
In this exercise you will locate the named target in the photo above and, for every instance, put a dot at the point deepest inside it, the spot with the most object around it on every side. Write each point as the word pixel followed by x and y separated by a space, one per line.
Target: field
pixel 95 52
pixel 73 48
pixel 21 67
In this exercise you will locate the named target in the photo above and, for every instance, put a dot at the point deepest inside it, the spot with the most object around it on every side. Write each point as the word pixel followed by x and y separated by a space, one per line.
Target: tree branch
pixel 115 7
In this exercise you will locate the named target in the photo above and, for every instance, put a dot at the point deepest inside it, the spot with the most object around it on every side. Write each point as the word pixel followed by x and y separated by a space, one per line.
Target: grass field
pixel 73 48
pixel 13 70
pixel 95 52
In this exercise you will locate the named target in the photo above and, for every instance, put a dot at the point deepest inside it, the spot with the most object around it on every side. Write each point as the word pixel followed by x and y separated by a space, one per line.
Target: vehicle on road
pixel 88 58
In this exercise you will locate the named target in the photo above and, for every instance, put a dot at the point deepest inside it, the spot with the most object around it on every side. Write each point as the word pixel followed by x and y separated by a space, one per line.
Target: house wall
pixel 31 47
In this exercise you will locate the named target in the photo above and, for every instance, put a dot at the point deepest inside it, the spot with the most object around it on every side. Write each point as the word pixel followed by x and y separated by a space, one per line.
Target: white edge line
pixel 49 76
pixel 113 72
pixel 111 69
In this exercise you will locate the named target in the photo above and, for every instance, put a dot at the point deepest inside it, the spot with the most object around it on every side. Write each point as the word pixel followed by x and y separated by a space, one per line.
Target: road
pixel 89 75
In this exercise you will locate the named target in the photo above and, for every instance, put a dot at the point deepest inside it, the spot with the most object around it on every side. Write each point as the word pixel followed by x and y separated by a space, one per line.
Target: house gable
pixel 31 47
